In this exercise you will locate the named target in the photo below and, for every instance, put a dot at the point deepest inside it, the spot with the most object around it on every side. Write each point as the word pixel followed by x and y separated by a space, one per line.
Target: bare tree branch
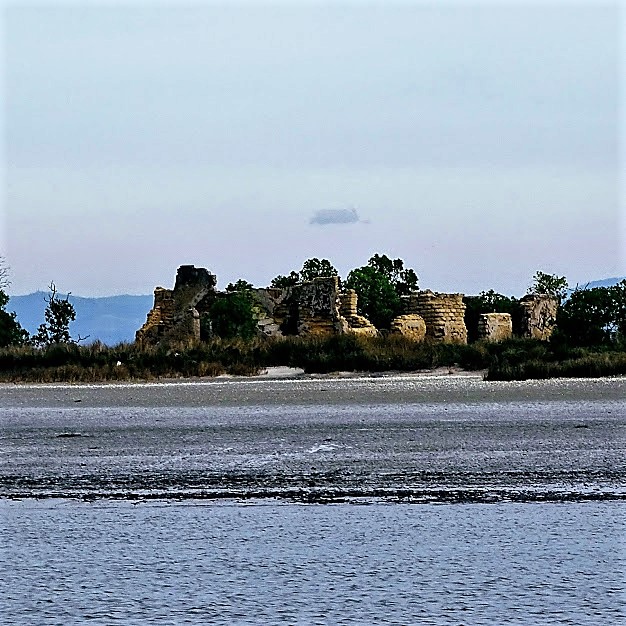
pixel 4 273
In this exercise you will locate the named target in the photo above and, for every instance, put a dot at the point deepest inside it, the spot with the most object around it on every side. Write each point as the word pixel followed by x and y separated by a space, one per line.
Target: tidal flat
pixel 398 499
pixel 409 438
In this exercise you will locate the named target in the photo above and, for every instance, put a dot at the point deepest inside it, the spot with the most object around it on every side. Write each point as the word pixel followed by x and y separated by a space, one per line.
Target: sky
pixel 478 141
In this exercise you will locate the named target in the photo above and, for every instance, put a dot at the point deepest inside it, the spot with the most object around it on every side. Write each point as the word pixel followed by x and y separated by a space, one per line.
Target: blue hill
pixel 111 320
pixel 606 282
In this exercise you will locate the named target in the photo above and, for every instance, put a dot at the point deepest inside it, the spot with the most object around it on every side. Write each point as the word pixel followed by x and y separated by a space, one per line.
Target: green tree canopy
pixel 11 332
pixel 311 268
pixel 59 313
pixel 239 285
pixel 549 284
pixel 404 280
pixel 379 285
pixel 282 282
pixel 232 314
pixel 377 299
pixel 317 268
pixel 488 302
pixel 593 317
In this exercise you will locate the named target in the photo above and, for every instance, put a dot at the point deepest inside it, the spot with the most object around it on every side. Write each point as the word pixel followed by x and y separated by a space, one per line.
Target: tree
pixel 404 281
pixel 11 332
pixel 311 268
pixel 593 317
pixel 240 285
pixel 379 286
pixel 232 314
pixel 59 313
pixel 317 268
pixel 549 284
pixel 377 299
pixel 282 282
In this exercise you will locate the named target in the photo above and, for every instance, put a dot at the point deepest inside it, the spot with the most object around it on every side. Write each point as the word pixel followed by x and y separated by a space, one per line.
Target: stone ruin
pixel 534 319
pixel 411 326
pixel 495 326
pixel 443 314
pixel 316 307
pixel 538 316
pixel 319 307
pixel 175 315
pixel 357 324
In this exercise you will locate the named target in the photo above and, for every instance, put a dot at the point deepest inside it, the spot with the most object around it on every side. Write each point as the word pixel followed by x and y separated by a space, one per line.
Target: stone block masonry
pixel 357 324
pixel 495 326
pixel 318 307
pixel 443 313
pixel 411 326
pixel 175 315
pixel 538 316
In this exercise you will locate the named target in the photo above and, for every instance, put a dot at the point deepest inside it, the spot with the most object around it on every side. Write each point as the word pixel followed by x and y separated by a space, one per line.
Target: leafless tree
pixel 4 273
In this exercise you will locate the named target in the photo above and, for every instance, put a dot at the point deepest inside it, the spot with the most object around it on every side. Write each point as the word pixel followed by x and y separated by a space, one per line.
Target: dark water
pixel 370 501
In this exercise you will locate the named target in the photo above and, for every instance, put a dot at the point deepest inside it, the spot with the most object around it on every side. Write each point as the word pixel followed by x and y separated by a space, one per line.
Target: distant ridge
pixel 605 282
pixel 111 319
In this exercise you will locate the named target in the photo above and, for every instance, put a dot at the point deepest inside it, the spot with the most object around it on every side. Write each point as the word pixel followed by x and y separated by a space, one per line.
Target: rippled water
pixel 191 503
pixel 65 562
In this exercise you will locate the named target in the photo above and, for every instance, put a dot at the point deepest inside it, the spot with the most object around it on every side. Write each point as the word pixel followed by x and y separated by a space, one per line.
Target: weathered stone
pixel 411 326
pixel 318 307
pixel 495 326
pixel 538 316
pixel 355 323
pixel 268 326
pixel 349 301
pixel 175 316
pixel 443 313
pixel 310 308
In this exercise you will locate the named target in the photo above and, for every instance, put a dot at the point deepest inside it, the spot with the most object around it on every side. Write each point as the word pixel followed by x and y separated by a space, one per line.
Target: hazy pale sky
pixel 479 142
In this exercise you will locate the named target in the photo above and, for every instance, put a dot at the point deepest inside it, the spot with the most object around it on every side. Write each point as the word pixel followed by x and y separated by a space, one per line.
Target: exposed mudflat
pixel 434 438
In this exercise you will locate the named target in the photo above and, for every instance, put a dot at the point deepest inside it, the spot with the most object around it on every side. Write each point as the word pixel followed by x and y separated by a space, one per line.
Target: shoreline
pixel 273 373
pixel 310 390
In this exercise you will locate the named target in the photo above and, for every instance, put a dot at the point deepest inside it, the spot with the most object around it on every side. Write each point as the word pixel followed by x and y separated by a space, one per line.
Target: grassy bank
pixel 590 365
pixel 75 363
pixel 510 360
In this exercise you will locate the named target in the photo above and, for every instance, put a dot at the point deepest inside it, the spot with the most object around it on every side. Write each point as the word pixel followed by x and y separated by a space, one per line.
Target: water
pixel 446 501
pixel 169 563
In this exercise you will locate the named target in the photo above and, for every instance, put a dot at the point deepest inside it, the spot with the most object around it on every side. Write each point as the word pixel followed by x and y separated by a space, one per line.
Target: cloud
pixel 335 216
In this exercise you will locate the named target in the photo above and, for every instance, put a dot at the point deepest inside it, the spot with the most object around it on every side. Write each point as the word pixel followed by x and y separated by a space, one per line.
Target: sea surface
pixel 350 500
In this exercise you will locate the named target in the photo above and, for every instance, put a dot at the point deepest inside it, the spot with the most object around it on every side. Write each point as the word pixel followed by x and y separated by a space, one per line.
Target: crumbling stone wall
pixel 411 326
pixel 538 316
pixel 318 307
pixel 443 313
pixel 356 323
pixel 175 315
pixel 275 308
pixel 495 326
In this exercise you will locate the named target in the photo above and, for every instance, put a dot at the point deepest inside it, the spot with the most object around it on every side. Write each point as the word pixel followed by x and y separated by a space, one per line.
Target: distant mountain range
pixel 606 282
pixel 114 319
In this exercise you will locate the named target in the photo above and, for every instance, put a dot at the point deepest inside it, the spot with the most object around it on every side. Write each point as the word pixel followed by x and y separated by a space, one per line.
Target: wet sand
pixel 434 438
pixel 289 388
